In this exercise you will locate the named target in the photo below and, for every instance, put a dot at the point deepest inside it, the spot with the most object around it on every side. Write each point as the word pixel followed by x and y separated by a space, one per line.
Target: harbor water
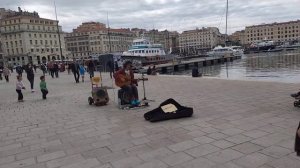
pixel 270 66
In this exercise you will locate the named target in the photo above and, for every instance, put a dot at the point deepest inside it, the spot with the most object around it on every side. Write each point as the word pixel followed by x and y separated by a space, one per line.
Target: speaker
pixel 100 96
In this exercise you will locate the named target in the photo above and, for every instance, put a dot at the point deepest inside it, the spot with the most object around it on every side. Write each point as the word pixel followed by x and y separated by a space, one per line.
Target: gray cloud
pixel 163 14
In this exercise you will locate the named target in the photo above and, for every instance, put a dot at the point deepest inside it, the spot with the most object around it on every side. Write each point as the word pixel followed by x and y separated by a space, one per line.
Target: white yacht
pixel 146 52
pixel 220 51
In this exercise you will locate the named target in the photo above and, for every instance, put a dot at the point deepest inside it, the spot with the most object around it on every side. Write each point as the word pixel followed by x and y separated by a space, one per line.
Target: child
pixel 82 71
pixel 19 87
pixel 43 86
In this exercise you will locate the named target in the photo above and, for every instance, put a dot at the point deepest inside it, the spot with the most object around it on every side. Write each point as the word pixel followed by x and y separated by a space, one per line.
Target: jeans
pixel 132 91
pixel 52 73
pixel 20 95
pixel 44 92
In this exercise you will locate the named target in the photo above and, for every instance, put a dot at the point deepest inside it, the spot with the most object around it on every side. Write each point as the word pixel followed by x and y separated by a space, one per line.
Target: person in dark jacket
pixel 30 76
pixel 55 69
pixel 19 70
pixel 91 68
pixel 110 66
pixel 75 70
pixel 297 141
pixel 149 71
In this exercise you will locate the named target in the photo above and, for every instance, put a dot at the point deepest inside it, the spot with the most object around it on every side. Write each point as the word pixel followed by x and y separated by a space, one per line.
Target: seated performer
pixel 124 78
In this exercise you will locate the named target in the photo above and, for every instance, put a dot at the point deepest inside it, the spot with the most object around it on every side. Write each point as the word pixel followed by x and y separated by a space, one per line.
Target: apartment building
pixel 277 32
pixel 92 38
pixel 193 41
pixel 27 38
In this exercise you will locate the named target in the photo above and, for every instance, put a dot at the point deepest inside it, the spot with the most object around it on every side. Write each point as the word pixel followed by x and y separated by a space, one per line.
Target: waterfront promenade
pixel 236 124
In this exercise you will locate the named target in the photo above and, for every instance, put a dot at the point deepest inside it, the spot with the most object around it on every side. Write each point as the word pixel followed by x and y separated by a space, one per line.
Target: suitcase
pixel 169 109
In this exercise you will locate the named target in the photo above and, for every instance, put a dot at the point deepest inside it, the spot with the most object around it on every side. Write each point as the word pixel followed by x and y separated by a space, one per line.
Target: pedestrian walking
pixel 82 72
pixel 19 70
pixel 91 68
pixel 19 87
pixel 6 74
pixel 30 76
pixel 1 72
pixel 110 66
pixel 75 70
pixel 55 69
pixel 43 86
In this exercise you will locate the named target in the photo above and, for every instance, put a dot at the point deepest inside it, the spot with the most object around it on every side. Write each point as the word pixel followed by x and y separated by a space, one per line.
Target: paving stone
pixel 270 140
pixel 202 150
pixel 50 156
pixel 155 154
pixel 64 161
pixel 253 160
pixel 153 164
pixel 19 164
pixel 238 139
pixel 276 151
pixel 176 159
pixel 285 162
pixel 203 140
pixel 127 162
pixel 140 141
pixel 217 136
pixel 224 156
pixel 89 163
pixel 198 162
pixel 183 146
pixel 222 144
pixel 255 133
pixel 7 159
pixel 247 148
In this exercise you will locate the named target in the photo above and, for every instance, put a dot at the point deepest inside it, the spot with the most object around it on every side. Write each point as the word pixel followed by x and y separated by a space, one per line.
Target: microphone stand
pixel 144 89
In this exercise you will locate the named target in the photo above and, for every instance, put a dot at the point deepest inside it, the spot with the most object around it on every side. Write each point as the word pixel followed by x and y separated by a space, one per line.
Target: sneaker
pixel 20 100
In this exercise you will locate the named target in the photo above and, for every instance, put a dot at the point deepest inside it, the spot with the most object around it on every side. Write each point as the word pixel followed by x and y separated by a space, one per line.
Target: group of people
pixel 151 71
pixel 78 69
pixel 20 86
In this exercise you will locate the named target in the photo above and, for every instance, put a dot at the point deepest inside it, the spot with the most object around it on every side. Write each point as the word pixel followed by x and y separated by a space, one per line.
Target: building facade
pixel 195 41
pixel 277 32
pixel 27 38
pixel 238 38
pixel 92 38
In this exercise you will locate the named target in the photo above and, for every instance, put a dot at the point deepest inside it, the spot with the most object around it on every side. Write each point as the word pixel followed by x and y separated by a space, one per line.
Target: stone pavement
pixel 236 124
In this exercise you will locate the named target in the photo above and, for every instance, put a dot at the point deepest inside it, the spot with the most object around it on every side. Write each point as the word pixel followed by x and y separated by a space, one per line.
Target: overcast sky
pixel 162 14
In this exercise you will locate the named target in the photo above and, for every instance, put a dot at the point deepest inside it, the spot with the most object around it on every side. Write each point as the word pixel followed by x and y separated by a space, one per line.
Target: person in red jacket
pixel 124 78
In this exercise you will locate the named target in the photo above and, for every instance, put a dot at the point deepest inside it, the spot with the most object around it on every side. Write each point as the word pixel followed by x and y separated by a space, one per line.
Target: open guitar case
pixel 169 109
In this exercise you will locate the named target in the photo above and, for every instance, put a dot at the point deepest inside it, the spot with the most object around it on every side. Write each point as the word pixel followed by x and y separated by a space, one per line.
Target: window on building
pixel 34 35
pixel 18 58
pixel 41 42
pixel 16 43
pixel 46 42
pixel 30 42
pixel 17 50
pixel 8 51
pixel 36 42
pixel 22 50
pixel 23 58
pixel 20 42
pixel 29 35
pixel 32 50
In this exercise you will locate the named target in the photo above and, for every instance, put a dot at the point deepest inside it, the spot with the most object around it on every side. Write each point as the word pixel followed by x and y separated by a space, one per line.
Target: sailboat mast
pixel 58 33
pixel 108 33
pixel 226 23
